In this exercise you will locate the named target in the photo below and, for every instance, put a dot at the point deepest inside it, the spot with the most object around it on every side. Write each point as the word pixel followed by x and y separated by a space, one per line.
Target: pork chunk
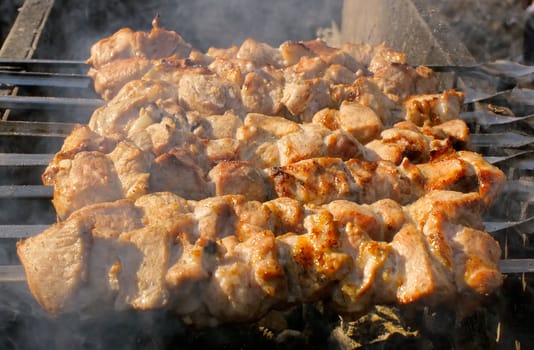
pixel 126 43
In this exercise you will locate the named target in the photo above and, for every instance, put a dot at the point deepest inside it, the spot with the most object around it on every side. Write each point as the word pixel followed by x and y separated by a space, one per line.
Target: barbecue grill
pixel 42 100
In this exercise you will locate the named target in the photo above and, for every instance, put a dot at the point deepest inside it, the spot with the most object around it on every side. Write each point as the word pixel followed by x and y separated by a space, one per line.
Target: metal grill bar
pixel 503 140
pixel 44 79
pixel 486 118
pixel 24 159
pixel 42 129
pixel 12 273
pixel 512 157
pixel 26 191
pixel 21 231
pixel 32 102
pixel 38 64
pixel 495 226
pixel 517 265
pixel 500 68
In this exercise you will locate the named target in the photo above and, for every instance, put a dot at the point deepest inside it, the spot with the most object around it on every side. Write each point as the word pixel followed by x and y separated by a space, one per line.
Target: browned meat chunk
pixel 434 109
pixel 133 169
pixel 125 43
pixel 240 178
pixel 87 178
pixel 261 93
pixel 365 92
pixel 321 180
pixel 358 120
pixel 304 98
pixel 261 53
pixel 293 51
pixel 400 80
pixel 111 77
pixel 405 140
pixel 208 94
pixel 177 171
pixel 215 126
pixel 233 70
pixel 139 103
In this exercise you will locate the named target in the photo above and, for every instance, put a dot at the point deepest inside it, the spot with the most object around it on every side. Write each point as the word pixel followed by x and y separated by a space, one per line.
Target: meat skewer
pixel 90 169
pixel 223 184
pixel 128 55
pixel 297 79
pixel 224 259
pixel 321 180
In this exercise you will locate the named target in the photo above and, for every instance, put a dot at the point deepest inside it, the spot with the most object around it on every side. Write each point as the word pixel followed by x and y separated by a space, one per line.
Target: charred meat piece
pixel 321 180
pixel 419 144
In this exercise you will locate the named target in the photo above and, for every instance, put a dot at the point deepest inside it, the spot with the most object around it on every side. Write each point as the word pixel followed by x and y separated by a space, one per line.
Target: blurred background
pixel 490 29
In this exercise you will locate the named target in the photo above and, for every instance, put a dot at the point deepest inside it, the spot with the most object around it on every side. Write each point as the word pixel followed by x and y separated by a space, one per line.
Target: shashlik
pixel 266 161
pixel 225 259
pixel 223 184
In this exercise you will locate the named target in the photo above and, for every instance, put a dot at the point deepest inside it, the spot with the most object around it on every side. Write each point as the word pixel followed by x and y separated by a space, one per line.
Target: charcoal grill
pixel 42 100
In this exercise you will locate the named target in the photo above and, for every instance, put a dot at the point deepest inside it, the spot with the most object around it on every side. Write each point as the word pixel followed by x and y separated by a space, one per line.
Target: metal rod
pixel 494 226
pixel 517 265
pixel 521 160
pixel 30 128
pixel 500 68
pixel 30 102
pixel 488 119
pixel 44 79
pixel 26 63
pixel 26 191
pixel 25 231
pixel 505 139
pixel 15 273
pixel 24 159
pixel 12 273
pixel 21 231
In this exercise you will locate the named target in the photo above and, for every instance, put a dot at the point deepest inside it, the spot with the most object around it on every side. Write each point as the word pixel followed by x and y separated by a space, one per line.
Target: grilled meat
pixel 220 185
pixel 126 44
pixel 224 259
pixel 297 78
pixel 110 78
pixel 321 180
pixel 257 169
pixel 267 151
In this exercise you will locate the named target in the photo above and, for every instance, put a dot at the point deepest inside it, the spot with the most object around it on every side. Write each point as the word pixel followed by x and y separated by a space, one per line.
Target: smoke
pixel 74 26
